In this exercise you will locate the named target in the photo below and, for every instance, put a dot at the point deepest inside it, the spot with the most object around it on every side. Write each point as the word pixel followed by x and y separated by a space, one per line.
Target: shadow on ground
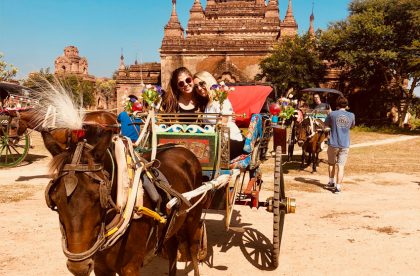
pixel 254 245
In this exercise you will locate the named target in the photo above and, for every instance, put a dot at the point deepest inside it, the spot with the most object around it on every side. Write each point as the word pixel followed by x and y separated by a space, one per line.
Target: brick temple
pixel 228 38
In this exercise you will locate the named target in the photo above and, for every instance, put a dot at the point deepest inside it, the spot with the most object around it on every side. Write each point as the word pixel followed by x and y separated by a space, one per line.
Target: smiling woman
pixel 180 93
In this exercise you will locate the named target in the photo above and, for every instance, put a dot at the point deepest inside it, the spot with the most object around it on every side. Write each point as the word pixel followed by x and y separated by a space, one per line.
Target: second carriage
pixel 14 137
pixel 286 135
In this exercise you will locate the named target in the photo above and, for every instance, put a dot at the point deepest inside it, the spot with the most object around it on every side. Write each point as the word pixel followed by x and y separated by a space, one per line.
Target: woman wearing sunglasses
pixel 180 96
pixel 203 82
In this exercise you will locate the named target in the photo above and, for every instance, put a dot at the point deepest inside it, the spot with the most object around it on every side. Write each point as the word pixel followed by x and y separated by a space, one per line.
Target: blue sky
pixel 34 32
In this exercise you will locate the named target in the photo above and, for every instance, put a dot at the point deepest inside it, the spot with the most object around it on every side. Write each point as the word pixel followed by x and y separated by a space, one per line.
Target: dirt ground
pixel 371 228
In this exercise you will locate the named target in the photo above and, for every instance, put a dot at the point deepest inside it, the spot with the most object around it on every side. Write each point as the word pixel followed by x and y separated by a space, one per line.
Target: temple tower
pixel 71 63
pixel 174 29
pixel 289 27
pixel 229 38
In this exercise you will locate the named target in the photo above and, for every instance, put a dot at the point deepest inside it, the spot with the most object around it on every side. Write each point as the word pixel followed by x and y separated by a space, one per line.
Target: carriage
pixel 196 175
pixel 14 137
pixel 210 143
pixel 287 137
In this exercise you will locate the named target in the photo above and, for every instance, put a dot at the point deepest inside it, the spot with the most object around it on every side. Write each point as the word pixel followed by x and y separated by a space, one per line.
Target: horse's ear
pixel 51 144
pixel 98 152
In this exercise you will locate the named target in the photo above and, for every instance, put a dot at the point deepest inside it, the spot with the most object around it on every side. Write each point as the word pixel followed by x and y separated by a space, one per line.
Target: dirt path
pixel 372 228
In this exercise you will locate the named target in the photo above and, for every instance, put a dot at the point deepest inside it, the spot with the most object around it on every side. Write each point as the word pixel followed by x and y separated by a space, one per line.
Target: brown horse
pixel 310 134
pixel 83 212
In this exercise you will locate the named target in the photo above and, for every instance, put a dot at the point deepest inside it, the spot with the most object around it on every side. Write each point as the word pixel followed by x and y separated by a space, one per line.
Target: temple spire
pixel 289 12
pixel 196 12
pixel 289 27
pixel 272 10
pixel 122 65
pixel 174 28
pixel 311 30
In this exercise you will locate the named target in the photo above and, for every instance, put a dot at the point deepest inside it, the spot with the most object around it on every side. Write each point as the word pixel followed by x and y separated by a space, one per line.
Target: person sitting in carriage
pixel 179 97
pixel 130 126
pixel 319 105
pixel 204 83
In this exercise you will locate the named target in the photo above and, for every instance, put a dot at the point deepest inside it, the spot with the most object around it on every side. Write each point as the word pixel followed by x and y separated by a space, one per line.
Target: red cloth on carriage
pixel 248 100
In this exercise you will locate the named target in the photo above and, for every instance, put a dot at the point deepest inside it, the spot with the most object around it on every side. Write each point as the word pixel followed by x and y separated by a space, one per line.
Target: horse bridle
pixel 70 181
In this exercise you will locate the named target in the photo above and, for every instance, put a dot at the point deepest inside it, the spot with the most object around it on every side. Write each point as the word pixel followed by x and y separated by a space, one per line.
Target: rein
pixel 71 182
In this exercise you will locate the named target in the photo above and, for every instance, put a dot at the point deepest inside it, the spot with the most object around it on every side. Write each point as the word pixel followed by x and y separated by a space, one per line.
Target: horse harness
pixel 110 233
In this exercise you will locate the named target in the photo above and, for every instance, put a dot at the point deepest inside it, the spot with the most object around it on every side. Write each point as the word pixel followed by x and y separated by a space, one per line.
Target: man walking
pixel 340 121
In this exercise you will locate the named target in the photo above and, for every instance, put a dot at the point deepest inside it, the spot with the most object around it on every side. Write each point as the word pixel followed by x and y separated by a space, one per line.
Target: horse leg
pixel 171 247
pixel 302 165
pixel 131 269
pixel 102 271
pixel 194 238
pixel 314 160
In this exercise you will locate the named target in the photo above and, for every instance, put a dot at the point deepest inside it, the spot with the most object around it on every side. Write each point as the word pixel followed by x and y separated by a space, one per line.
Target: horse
pixel 83 212
pixel 310 134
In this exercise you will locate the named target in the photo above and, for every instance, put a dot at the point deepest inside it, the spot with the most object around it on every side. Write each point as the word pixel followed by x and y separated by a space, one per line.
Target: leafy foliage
pixel 294 63
pixel 5 73
pixel 36 81
pixel 83 90
pixel 377 46
pixel 106 87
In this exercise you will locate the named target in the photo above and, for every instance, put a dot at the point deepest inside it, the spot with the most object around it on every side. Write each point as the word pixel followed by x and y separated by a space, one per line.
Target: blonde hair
pixel 207 78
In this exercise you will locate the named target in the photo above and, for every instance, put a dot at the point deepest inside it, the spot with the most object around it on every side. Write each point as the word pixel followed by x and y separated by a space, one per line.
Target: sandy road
pixel 372 228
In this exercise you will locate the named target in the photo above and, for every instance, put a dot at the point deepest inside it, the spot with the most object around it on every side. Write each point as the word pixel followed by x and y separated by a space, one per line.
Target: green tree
pixel 83 90
pixel 6 74
pixel 37 81
pixel 294 63
pixel 107 89
pixel 377 48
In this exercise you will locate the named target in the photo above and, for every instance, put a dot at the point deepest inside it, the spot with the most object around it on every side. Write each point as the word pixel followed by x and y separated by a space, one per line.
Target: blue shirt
pixel 129 129
pixel 340 122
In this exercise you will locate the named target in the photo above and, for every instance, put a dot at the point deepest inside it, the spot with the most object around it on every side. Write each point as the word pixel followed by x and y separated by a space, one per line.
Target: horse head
pixel 303 131
pixel 80 193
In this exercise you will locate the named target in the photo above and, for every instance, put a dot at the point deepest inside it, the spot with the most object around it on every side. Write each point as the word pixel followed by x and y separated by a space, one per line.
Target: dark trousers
pixel 236 148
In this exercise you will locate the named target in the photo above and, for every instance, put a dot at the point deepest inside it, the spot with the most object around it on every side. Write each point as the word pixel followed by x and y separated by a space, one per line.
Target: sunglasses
pixel 187 81
pixel 201 84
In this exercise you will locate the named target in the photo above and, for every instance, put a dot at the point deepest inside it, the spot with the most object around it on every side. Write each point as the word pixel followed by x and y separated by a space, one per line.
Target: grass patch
pixel 16 192
pixel 399 157
pixel 386 129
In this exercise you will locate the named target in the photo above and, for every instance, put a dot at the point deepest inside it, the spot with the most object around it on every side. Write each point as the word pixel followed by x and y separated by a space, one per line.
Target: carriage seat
pixel 251 146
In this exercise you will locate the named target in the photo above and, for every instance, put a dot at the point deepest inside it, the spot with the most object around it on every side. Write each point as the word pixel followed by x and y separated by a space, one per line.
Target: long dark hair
pixel 170 99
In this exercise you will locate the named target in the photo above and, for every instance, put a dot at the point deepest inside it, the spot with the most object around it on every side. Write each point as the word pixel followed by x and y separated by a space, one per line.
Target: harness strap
pixel 78 257
pixel 82 168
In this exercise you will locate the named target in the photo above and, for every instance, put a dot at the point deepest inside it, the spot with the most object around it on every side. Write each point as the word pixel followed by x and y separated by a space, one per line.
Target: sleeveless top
pixel 182 110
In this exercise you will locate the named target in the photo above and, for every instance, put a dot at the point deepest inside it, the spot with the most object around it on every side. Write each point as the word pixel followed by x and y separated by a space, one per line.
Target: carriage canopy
pixel 247 100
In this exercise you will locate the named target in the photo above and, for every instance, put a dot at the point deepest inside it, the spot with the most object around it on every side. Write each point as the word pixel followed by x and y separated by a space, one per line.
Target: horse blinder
pixel 70 183
pixel 48 199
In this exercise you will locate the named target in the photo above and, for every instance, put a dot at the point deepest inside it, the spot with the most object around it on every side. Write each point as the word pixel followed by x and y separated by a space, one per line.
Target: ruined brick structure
pixel 70 63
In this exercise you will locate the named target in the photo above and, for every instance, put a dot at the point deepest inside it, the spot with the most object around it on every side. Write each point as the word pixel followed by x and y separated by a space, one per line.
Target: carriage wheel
pixel 278 207
pixel 231 194
pixel 291 142
pixel 13 149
